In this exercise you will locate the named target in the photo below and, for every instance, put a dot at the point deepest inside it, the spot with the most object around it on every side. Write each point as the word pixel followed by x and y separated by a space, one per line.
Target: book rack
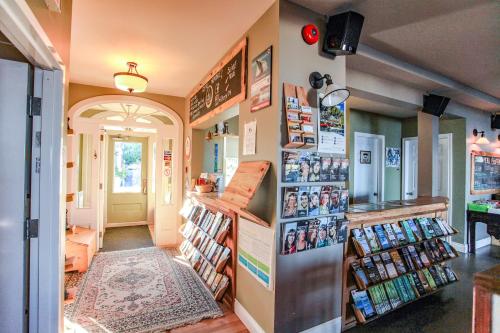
pixel 421 207
pixel 201 257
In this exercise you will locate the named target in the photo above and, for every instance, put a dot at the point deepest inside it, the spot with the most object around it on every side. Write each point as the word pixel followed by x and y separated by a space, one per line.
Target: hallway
pixel 126 238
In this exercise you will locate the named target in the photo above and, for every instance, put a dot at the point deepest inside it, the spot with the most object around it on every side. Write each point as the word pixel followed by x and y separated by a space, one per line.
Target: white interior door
pixel 368 168
pixel 410 168
pixel 445 170
pixel 14 136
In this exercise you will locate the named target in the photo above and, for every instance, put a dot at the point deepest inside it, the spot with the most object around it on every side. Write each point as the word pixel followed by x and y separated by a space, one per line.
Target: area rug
pixel 142 290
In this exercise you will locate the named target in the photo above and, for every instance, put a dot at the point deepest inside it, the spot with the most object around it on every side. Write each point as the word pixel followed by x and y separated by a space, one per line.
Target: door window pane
pixel 127 167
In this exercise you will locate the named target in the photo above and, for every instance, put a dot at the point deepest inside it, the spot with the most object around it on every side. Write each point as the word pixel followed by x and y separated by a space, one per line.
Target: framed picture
pixel 260 90
pixel 392 157
pixel 365 157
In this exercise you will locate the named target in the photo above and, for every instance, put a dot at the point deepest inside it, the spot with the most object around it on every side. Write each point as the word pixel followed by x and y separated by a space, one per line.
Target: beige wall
pixel 256 299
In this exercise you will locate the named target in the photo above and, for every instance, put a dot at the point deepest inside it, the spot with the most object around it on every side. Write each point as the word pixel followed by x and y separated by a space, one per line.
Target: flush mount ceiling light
pixel 482 140
pixel 131 81
pixel 334 93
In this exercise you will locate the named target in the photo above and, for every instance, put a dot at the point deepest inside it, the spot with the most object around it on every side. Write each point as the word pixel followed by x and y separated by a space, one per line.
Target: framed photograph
pixel 392 157
pixel 260 91
pixel 365 157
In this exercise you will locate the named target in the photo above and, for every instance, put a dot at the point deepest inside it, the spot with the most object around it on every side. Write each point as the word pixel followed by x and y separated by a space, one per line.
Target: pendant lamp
pixel 131 80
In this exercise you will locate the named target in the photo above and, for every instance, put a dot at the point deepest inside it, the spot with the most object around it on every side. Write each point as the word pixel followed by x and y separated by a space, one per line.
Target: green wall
pixel 391 128
pixel 209 147
pixel 457 128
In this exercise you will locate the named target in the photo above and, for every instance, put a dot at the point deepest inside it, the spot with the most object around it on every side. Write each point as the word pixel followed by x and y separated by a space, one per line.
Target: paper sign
pixel 255 251
pixel 249 138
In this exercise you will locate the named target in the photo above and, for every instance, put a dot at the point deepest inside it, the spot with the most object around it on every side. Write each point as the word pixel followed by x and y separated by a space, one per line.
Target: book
pixel 360 274
pixel 217 254
pixel 212 251
pixel 450 274
pixel 363 303
pixel 304 167
pixel 312 233
pixel 401 289
pixel 380 267
pixel 423 256
pixel 324 200
pixel 448 248
pixel 335 201
pixel 442 250
pixel 409 233
pixel 371 239
pixel 438 232
pixel 314 194
pixel 303 206
pixel 429 278
pixel 216 281
pixel 291 167
pixel 221 287
pixel 417 284
pixel 342 230
pixel 326 168
pixel 430 253
pixel 416 230
pixel 424 281
pixel 344 201
pixel 376 299
pixel 405 253
pixel 334 176
pixel 435 250
pixel 362 245
pixel 224 255
pixel 415 257
pixel 435 275
pixel 441 273
pixel 409 288
pixel 211 277
pixel 290 202
pixel 390 235
pixel 446 226
pixel 400 266
pixel 399 234
pixel 301 242
pixel 426 228
pixel 389 265
pixel 382 239
pixel 344 170
pixel 392 294
pixel 207 273
pixel 315 167
pixel 371 270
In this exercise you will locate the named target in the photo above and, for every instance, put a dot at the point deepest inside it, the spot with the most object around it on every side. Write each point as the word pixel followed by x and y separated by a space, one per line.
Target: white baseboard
pixel 483 242
pixel 462 248
pixel 246 318
pixel 125 224
pixel 332 326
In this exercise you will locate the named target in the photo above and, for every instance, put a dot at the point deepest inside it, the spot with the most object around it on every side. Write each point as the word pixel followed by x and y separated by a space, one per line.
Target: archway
pixel 167 188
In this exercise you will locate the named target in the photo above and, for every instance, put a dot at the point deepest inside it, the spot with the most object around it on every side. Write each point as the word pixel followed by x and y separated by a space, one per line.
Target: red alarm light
pixel 310 34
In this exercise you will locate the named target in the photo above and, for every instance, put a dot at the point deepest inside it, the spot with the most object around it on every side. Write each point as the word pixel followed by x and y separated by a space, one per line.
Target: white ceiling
pixel 455 38
pixel 174 42
pixel 385 109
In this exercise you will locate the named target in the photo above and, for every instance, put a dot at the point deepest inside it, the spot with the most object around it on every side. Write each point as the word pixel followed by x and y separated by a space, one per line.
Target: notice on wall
pixel 249 138
pixel 331 129
pixel 255 251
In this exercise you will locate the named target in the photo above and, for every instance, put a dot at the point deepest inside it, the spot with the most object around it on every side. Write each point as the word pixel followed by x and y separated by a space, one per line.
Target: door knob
pixel 409 193
pixel 375 194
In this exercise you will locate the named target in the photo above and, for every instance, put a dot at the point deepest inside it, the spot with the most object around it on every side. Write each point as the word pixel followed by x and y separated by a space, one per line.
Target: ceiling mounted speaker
pixel 435 104
pixel 495 121
pixel 342 33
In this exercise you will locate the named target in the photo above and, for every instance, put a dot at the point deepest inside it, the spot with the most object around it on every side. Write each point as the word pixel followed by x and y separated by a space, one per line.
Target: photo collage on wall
pixel 310 201
pixel 304 167
pixel 312 234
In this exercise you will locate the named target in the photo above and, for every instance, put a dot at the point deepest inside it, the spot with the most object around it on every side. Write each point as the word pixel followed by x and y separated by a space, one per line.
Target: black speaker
pixel 495 121
pixel 435 104
pixel 342 33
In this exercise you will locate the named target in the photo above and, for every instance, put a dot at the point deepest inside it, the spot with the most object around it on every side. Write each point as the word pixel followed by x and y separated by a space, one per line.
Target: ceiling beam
pixel 389 60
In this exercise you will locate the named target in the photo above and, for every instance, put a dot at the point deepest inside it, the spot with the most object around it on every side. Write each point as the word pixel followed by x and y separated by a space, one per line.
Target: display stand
pixel 299 118
pixel 392 212
pixel 233 203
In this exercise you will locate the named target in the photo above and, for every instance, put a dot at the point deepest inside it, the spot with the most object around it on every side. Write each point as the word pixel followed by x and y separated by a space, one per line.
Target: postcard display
pixel 209 243
pixel 313 185
pixel 394 257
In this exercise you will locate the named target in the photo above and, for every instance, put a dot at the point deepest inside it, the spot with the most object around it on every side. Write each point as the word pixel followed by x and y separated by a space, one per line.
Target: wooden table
pixel 491 220
pixel 486 284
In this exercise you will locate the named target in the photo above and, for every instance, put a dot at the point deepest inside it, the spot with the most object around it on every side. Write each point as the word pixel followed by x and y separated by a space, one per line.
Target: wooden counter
pixel 360 215
pixel 486 284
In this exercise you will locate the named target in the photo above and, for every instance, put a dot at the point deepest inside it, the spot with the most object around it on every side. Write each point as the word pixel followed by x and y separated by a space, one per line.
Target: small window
pixel 127 167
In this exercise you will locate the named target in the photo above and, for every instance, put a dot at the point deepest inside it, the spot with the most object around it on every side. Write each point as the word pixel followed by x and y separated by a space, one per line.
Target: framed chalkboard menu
pixel 223 87
pixel 485 173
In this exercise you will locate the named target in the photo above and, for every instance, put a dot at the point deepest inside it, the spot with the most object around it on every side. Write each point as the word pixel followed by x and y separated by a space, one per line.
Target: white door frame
pixel 380 160
pixel 404 169
pixel 449 136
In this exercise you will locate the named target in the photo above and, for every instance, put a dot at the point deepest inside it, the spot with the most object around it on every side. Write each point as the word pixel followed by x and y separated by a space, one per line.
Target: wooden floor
pixel 229 323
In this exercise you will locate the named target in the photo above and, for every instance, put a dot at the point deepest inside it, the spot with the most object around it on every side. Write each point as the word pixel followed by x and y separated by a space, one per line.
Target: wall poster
pixel 331 128
pixel 392 157
pixel 260 91
pixel 255 251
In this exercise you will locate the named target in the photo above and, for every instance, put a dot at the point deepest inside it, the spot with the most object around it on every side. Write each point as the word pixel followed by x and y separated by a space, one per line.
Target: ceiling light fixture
pixel 131 81
pixel 482 140
pixel 334 93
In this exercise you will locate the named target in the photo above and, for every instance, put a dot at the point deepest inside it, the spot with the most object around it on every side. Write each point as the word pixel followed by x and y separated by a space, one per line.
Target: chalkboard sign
pixel 222 88
pixel 485 173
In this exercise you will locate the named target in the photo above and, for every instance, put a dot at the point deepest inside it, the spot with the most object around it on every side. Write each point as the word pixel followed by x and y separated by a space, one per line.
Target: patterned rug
pixel 142 290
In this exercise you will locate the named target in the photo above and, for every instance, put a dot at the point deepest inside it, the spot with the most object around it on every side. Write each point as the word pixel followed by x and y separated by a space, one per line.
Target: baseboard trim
pixel 246 318
pixel 332 326
pixel 125 224
pixel 483 242
pixel 462 248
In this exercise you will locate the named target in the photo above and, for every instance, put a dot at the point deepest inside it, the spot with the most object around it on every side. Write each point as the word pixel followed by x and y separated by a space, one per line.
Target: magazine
pixel 312 233
pixel 342 230
pixel 288 238
pixel 324 200
pixel 291 165
pixel 303 206
pixel 304 169
pixel 301 243
pixel 326 169
pixel 335 169
pixel 323 239
pixel 315 167
pixel 290 199
pixel 344 170
pixel 314 194
pixel 335 202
